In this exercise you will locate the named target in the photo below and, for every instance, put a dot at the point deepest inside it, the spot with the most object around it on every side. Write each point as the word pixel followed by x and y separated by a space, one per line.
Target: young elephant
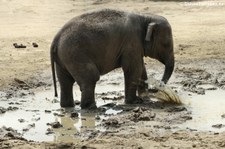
pixel 95 43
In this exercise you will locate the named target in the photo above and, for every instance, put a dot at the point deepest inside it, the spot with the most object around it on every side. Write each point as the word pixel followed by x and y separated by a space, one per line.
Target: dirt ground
pixel 199 41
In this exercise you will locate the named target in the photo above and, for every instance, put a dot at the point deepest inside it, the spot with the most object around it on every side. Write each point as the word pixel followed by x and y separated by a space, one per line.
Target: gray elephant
pixel 95 43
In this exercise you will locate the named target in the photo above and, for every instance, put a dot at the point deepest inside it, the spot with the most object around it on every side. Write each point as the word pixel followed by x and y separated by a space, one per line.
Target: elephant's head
pixel 159 44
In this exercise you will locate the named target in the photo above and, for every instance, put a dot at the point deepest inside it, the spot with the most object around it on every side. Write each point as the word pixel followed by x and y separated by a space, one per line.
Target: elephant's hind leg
pixel 66 82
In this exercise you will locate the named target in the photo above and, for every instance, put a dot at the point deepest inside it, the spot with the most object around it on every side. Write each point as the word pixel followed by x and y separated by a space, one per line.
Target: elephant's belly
pixel 107 68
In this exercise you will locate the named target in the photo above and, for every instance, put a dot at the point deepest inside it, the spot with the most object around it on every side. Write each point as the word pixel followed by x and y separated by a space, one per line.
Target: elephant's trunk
pixel 169 66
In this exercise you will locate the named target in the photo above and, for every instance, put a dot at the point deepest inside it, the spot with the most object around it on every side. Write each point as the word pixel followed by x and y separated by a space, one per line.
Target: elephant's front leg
pixel 88 96
pixel 132 76
pixel 143 86
pixel 87 76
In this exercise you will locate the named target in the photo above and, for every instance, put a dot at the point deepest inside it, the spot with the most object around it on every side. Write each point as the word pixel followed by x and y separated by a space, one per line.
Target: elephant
pixel 95 43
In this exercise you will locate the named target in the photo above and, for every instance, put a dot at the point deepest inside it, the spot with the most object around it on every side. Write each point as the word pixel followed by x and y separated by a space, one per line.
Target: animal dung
pixel 19 45
pixel 35 45
pixel 162 92
pixel 16 45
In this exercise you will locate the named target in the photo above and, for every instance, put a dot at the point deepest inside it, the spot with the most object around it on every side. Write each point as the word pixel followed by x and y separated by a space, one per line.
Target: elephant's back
pixel 105 19
pixel 103 16
pixel 94 27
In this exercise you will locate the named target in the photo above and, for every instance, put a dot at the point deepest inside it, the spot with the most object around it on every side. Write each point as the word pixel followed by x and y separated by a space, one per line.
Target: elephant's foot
pixel 135 100
pixel 88 105
pixel 66 104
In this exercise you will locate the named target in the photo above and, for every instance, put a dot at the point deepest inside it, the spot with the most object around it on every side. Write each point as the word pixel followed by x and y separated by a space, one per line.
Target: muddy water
pixel 31 118
pixel 36 111
pixel 207 110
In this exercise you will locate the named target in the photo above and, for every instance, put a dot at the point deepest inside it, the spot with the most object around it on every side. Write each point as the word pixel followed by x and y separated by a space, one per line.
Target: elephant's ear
pixel 149 31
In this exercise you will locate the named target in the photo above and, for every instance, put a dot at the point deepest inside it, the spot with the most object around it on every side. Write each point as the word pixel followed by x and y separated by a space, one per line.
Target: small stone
pixel 21 120
pixel 97 117
pixel 176 109
pixel 48 111
pixel 55 124
pixel 186 117
pixel 49 131
pixel 223 115
pixel 58 114
pixel 111 122
pixel 2 110
pixel 145 117
pixel 218 126
pixel 77 102
pixel 74 115
pixel 12 108
pixel 9 134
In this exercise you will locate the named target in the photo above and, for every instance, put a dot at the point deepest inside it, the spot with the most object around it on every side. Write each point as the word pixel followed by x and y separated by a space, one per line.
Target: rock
pixel 112 122
pixel 58 114
pixel 97 117
pixel 12 108
pixel 139 109
pixel 2 110
pixel 223 115
pixel 146 117
pixel 140 114
pixel 218 126
pixel 21 120
pixel 74 115
pixel 22 84
pixel 48 111
pixel 77 102
pixel 49 131
pixel 186 117
pixel 176 109
pixel 55 124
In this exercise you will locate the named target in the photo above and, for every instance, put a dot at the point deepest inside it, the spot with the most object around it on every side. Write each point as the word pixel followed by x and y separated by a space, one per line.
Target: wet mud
pixel 30 117
pixel 37 116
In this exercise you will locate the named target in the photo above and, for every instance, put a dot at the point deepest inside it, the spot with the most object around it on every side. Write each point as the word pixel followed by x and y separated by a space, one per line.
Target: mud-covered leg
pixel 88 96
pixel 132 74
pixel 66 87
pixel 87 77
pixel 143 86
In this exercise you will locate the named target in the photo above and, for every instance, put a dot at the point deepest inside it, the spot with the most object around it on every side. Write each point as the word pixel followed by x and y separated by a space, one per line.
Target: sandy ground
pixel 199 37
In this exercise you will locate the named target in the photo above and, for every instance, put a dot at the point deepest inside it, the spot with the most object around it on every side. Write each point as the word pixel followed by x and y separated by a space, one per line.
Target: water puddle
pixel 36 111
pixel 207 111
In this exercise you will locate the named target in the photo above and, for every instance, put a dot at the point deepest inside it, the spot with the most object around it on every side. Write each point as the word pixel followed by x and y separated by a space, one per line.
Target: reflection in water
pixel 73 128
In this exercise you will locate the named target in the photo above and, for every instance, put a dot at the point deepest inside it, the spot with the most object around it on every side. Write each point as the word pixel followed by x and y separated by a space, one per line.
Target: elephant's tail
pixel 53 50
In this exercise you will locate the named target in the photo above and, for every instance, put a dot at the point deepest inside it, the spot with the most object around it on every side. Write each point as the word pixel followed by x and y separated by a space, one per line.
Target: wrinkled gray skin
pixel 95 43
